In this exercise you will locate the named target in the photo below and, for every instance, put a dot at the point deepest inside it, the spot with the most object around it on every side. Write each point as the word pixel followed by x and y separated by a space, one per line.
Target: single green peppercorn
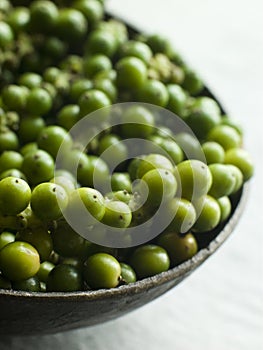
pixel 6 35
pixel 149 260
pixel 15 195
pixel 39 238
pixel 179 248
pixel 43 16
pixel 67 242
pixel 10 159
pixel 208 214
pixel 128 275
pixel 91 9
pixel 48 201
pixel 19 261
pixel 52 137
pixel 71 24
pixel 242 160
pixel 38 166
pixel 39 101
pixel 64 278
pixel 102 270
pixel 131 73
pixel 5 238
pixel 31 284
pixel 44 270
pixel 15 97
pixel 8 141
pixel 29 128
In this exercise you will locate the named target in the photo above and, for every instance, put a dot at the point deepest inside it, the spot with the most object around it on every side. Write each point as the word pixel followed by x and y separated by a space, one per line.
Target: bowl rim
pixel 145 284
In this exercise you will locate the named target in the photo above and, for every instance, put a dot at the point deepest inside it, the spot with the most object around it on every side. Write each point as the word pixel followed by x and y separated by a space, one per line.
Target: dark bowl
pixel 24 313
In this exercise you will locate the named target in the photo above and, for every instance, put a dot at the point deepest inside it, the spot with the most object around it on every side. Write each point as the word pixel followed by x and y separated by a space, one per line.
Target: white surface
pixel 219 307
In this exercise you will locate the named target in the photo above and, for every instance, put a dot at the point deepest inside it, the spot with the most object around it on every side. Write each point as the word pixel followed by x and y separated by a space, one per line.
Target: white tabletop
pixel 220 306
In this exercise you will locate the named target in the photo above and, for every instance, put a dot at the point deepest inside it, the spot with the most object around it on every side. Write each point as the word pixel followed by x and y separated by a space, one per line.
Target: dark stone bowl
pixel 23 313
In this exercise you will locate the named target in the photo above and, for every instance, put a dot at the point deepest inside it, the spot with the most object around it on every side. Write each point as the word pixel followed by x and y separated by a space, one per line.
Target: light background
pixel 220 306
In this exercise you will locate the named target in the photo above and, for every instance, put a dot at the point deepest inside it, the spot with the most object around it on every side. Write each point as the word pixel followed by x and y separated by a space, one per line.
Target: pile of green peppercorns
pixel 59 61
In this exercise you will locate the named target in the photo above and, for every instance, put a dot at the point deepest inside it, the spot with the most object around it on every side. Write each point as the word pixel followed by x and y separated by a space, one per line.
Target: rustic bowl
pixel 25 313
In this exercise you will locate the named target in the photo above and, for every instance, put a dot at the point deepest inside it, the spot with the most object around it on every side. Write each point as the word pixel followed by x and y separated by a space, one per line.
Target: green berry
pixel 93 100
pixel 44 270
pixel 30 127
pixel 225 208
pixel 8 141
pixel 52 137
pixel 64 278
pixel 6 35
pixel 194 179
pixel 131 73
pixel 9 160
pixel 223 182
pixel 15 97
pixel 71 24
pixel 43 16
pixel 102 270
pixel 39 238
pixel 15 195
pixel 39 101
pixel 128 275
pixel 242 160
pixel 183 215
pixel 67 242
pixel 153 161
pixel 149 260
pixel 86 205
pixel 19 261
pixel 157 185
pixel 31 284
pixel 117 214
pixel 5 238
pixel 137 122
pixel 153 92
pixel 38 166
pixel 179 248
pixel 214 152
pixel 227 136
pixel 48 201
pixel 208 214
